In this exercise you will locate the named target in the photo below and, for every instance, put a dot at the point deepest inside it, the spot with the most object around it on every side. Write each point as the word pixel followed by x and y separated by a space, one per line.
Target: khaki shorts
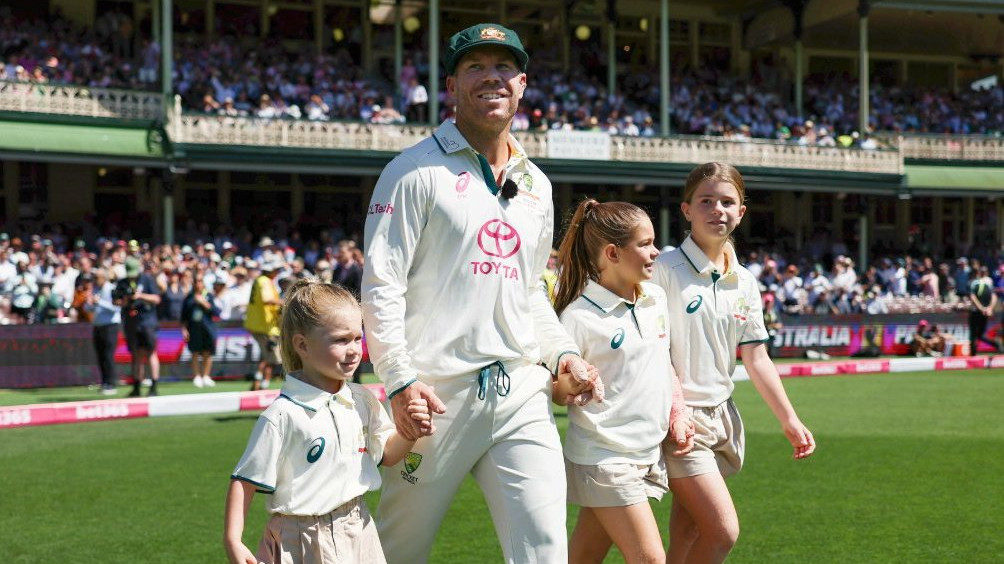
pixel 269 347
pixel 719 443
pixel 346 535
pixel 615 485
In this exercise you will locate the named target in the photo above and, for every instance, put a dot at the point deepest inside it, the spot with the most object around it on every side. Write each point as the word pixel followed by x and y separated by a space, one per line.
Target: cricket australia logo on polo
pixel 412 461
pixel 316 448
pixel 498 240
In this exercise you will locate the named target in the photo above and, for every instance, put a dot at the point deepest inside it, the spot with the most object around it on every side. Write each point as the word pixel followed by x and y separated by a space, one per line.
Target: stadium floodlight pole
pixel 664 68
pixel 167 91
pixel 434 61
pixel 798 12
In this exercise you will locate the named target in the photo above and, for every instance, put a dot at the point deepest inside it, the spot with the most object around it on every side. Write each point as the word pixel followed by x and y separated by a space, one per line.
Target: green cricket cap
pixel 480 35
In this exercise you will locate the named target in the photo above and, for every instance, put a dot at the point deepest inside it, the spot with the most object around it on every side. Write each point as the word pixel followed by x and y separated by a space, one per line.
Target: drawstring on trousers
pixel 501 380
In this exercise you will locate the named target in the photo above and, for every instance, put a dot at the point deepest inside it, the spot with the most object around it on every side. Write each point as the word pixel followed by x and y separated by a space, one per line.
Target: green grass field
pixel 908 469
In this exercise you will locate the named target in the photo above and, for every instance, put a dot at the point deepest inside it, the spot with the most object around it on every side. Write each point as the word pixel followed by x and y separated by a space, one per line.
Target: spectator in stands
pixel 347 270
pixel 106 317
pixel 138 296
pixel 262 320
pixel 982 303
pixel 22 288
pixel 198 328
pixel 927 340
pixel 418 101
pixel 172 294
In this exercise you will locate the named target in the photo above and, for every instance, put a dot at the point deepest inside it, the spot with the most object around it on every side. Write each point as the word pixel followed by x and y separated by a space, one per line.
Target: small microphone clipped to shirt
pixel 509 189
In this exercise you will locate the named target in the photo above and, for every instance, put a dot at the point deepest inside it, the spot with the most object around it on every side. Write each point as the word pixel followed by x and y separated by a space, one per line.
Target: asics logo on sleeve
pixel 315 450
pixel 694 304
pixel 618 339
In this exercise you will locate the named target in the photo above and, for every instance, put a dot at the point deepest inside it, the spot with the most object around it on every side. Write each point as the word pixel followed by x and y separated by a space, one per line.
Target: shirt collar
pixel 450 140
pixel 310 397
pixel 606 300
pixel 702 264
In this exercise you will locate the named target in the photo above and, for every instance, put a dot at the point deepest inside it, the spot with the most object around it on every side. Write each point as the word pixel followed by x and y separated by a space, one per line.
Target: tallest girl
pixel 715 308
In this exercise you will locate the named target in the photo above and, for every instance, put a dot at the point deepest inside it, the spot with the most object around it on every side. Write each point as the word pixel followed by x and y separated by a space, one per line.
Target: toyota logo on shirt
pixel 497 238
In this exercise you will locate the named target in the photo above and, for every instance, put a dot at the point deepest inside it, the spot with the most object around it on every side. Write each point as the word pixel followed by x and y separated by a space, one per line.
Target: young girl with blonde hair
pixel 613 457
pixel 715 306
pixel 316 449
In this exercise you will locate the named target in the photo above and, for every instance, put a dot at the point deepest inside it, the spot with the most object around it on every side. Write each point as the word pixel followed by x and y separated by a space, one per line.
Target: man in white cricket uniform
pixel 711 314
pixel 457 234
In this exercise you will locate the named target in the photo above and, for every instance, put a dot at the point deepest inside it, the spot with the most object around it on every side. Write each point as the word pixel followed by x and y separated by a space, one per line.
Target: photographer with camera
pixel 138 296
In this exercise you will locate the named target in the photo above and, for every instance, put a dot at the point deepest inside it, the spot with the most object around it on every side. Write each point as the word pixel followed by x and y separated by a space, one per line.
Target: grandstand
pixel 87 125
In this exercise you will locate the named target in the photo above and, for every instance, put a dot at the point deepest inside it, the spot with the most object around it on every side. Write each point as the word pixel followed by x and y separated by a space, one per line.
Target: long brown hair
pixel 593 226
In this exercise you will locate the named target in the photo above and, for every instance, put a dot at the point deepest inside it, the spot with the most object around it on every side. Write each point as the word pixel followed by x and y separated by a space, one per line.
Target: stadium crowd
pixel 43 277
pixel 224 76
pixel 41 273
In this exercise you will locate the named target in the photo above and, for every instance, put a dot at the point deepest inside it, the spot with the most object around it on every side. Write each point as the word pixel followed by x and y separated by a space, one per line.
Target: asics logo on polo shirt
pixel 615 343
pixel 315 450
pixel 463 179
pixel 693 305
pixel 498 239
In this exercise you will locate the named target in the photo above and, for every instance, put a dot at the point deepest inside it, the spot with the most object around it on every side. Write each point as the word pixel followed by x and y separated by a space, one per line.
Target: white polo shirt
pixel 629 346
pixel 711 314
pixel 314 451
pixel 451 282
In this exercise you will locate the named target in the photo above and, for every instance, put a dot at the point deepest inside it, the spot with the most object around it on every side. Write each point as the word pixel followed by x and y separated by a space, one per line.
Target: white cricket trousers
pixel 510 444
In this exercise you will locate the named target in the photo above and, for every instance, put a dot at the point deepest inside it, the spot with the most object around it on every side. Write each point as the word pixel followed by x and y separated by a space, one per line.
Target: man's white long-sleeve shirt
pixel 451 282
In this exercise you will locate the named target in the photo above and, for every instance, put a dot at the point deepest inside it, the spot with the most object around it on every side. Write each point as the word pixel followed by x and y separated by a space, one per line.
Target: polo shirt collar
pixel 700 261
pixel 310 397
pixel 606 301
pixel 450 140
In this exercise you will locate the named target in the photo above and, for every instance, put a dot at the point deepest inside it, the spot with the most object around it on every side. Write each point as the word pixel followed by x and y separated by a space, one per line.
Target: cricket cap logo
pixel 493 33
pixel 412 461
pixel 498 239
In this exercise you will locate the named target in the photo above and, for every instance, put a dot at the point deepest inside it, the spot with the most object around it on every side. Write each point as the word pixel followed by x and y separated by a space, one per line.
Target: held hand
pixel 185 335
pixel 237 553
pixel 800 438
pixel 585 384
pixel 681 435
pixel 408 427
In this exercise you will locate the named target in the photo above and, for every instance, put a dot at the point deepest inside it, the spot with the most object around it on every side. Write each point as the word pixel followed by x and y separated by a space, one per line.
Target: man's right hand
pixel 408 427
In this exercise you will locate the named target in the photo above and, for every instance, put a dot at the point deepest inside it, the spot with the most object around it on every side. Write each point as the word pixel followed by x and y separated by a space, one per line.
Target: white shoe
pixel 197 381
pixel 147 382
pixel 208 382
pixel 265 384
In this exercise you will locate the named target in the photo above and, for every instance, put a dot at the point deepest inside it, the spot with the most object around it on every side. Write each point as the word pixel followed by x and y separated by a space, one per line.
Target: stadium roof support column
pixel 611 47
pixel 166 88
pixel 318 27
pixel 863 8
pixel 798 12
pixel 434 62
pixel 664 72
pixel 398 52
pixel 366 23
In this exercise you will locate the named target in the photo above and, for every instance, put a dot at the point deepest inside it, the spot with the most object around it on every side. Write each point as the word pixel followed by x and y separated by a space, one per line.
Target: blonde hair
pixel 722 172
pixel 310 303
pixel 593 226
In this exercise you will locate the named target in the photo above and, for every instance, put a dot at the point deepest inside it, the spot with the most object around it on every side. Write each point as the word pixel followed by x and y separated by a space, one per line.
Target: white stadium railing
pixel 210 129
pixel 216 130
pixel 79 101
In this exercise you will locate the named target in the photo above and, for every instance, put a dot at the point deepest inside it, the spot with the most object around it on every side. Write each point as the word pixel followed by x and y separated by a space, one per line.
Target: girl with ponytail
pixel 613 450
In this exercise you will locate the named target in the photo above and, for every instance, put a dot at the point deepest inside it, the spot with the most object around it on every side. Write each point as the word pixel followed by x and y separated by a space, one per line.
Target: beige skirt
pixel 346 535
